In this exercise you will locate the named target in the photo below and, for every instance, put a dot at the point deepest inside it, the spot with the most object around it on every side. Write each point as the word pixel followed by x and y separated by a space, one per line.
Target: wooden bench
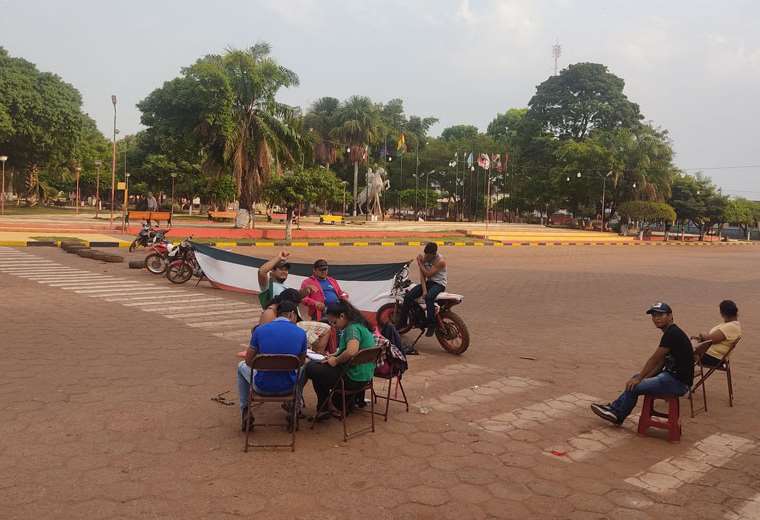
pixel 331 219
pixel 158 216
pixel 280 217
pixel 220 215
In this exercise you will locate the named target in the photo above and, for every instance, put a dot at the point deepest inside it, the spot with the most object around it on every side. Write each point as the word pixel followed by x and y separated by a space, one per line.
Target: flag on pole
pixel 401 144
pixel 496 162
pixel 469 160
pixel 483 161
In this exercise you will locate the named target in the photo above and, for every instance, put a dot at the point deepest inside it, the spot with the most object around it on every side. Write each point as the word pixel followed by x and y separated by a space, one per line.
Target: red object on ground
pixel 672 423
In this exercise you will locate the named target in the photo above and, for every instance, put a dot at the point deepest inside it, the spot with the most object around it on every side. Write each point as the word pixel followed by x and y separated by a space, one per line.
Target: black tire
pixel 113 259
pixel 155 263
pixel 452 333
pixel 75 248
pixel 179 272
pixel 136 264
pixel 86 253
pixel 392 312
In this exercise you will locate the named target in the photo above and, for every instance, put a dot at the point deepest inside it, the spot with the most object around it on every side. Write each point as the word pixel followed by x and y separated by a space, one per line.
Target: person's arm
pixel 715 337
pixel 651 367
pixel 252 349
pixel 427 273
pixel 267 267
pixel 338 290
pixel 309 287
pixel 352 348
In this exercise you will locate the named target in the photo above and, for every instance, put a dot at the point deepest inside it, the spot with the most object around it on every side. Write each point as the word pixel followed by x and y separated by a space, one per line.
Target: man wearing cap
pixel 272 276
pixel 669 371
pixel 281 336
pixel 321 290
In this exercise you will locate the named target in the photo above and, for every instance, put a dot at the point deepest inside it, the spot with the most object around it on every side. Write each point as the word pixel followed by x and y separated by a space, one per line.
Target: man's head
pixel 662 315
pixel 320 269
pixel 280 271
pixel 150 194
pixel 288 310
pixel 728 310
pixel 431 249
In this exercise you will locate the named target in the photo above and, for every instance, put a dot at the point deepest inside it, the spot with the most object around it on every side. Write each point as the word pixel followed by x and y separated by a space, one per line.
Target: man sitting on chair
pixel 669 371
pixel 722 336
pixel 281 336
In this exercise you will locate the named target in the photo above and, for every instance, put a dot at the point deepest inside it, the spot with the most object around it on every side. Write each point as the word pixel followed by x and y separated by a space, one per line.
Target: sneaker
pixel 606 413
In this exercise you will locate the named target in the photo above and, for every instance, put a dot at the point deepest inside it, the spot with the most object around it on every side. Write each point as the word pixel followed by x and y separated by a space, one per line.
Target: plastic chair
pixel 274 363
pixel 673 421
pixel 723 366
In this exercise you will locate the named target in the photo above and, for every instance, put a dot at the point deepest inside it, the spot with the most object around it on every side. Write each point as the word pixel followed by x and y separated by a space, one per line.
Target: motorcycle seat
pixel 444 296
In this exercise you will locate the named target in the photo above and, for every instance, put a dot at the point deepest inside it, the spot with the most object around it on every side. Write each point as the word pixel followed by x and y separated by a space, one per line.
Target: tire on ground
pixel 85 253
pixel 111 258
pixel 75 248
pixel 136 264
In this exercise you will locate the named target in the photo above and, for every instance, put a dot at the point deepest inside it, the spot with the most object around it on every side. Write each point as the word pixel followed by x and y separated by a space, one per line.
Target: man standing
pixel 281 336
pixel 669 371
pixel 321 290
pixel 433 278
pixel 272 276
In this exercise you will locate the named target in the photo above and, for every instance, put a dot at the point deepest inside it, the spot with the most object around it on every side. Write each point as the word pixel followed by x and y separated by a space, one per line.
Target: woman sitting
pixel 355 336
pixel 722 336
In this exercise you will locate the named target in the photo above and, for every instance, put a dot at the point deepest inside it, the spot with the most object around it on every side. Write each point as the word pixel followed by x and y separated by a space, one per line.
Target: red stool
pixel 673 422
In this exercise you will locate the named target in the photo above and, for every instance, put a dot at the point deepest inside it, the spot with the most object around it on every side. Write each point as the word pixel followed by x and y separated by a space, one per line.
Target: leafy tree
pixel 504 127
pixel 583 97
pixel 457 132
pixel 696 200
pixel 300 187
pixel 647 211
pixel 321 119
pixel 743 213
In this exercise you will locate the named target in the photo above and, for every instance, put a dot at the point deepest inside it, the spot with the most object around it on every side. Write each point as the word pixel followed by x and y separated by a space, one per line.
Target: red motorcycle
pixel 185 266
pixel 162 253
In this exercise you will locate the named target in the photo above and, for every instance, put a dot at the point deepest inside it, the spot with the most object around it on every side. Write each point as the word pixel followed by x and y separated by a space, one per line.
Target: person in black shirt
pixel 669 371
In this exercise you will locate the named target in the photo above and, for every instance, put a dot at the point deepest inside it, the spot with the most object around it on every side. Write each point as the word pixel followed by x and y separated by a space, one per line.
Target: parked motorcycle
pixel 161 255
pixel 185 266
pixel 147 236
pixel 450 331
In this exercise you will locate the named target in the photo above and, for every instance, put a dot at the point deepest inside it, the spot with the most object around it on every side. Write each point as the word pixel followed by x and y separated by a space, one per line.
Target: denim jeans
pixel 244 385
pixel 663 383
pixel 433 290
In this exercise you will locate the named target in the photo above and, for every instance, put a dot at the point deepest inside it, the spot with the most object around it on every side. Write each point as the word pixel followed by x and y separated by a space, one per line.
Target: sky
pixel 692 66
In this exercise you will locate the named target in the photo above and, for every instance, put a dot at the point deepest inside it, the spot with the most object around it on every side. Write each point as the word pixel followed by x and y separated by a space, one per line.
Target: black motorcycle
pixel 147 237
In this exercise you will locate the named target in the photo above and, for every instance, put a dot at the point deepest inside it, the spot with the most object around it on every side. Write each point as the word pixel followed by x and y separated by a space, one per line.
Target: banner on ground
pixel 234 272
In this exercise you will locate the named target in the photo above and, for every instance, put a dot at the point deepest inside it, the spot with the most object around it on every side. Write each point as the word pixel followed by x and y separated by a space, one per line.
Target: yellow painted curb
pixel 332 244
pixel 225 244
pixel 299 244
pixel 361 244
pixel 387 243
pixel 13 243
pixel 264 244
pixel 415 244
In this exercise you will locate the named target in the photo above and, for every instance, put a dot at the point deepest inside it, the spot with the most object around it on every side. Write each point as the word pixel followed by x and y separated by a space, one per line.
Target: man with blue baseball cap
pixel 669 371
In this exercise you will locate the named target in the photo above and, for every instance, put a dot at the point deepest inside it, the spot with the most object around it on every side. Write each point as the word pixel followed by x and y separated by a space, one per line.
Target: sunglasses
pixel 322 268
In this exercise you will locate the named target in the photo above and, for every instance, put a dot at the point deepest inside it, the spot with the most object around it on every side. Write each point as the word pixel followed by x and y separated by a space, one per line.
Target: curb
pixel 486 243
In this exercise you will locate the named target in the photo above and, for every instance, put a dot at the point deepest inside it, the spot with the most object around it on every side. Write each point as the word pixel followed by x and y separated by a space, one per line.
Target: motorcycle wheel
pixel 155 263
pixel 452 333
pixel 179 272
pixel 391 312
pixel 133 246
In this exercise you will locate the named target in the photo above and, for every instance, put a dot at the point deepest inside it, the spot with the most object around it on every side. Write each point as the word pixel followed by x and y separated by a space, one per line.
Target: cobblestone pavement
pixel 108 376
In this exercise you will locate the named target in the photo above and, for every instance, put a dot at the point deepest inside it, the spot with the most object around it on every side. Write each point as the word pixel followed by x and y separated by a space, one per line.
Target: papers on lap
pixel 314 356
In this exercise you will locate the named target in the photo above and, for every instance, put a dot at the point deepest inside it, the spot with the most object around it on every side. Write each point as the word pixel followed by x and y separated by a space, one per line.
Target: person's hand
pixel 284 255
pixel 332 361
pixel 632 383
pixel 320 306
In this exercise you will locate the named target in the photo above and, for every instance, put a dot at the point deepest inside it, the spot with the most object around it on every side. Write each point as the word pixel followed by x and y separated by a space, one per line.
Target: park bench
pixel 279 217
pixel 148 216
pixel 220 215
pixel 331 219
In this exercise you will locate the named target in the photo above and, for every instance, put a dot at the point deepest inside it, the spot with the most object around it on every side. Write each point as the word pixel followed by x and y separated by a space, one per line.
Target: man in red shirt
pixel 321 290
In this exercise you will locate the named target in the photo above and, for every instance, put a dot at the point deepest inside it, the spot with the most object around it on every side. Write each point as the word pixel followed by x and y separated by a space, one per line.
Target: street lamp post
pixel 427 188
pixel 3 158
pixel 344 183
pixel 113 161
pixel 79 171
pixel 98 164
pixel 171 211
pixel 604 187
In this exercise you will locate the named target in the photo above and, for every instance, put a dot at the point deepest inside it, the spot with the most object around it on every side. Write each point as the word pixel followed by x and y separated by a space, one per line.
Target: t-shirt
pixel 679 360
pixel 277 337
pixel 273 289
pixel 732 330
pixel 365 371
pixel 329 291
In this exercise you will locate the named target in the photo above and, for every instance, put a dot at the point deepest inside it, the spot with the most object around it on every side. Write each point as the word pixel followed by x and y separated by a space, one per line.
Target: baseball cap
pixel 320 263
pixel 660 308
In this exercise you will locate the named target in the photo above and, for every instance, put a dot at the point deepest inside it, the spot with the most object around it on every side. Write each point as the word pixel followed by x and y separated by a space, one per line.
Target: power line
pixel 724 167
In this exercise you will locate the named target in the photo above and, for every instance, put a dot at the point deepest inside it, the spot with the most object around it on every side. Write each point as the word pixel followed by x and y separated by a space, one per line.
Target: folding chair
pixel 274 363
pixel 367 355
pixel 389 381
pixel 723 366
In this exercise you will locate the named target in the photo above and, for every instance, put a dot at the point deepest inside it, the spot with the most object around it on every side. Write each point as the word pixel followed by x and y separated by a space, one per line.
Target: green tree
pixel 321 119
pixel 743 213
pixel 697 200
pixel 504 127
pixel 458 132
pixel 300 187
pixel 581 98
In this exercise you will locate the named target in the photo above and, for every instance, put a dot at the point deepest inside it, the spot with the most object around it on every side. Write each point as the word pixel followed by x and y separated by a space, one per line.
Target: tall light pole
pixel 344 183
pixel 79 171
pixel 427 188
pixel 3 158
pixel 98 164
pixel 604 186
pixel 113 161
pixel 171 211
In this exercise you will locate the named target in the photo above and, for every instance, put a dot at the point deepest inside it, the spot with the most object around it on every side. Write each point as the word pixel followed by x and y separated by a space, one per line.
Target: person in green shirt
pixel 356 336
pixel 272 275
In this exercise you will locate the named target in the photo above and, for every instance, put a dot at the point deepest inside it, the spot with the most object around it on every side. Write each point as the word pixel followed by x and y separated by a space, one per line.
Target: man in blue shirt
pixel 281 336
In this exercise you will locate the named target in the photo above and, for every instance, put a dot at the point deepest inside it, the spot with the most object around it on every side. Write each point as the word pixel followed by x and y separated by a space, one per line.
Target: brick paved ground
pixel 106 410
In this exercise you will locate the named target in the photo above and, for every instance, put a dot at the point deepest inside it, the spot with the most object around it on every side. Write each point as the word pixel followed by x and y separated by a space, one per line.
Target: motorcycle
pixel 450 330
pixel 147 236
pixel 185 266
pixel 163 253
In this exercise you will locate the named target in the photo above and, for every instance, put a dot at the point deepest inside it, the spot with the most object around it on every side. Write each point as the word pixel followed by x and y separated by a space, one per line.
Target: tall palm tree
pixel 358 124
pixel 319 122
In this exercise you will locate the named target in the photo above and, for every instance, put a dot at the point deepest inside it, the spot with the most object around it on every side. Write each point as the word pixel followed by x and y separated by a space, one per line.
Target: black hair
pixel 431 248
pixel 728 308
pixel 286 307
pixel 288 295
pixel 353 314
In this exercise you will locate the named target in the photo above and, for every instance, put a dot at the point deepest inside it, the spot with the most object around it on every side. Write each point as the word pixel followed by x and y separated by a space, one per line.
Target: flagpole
pixel 401 184
pixel 488 198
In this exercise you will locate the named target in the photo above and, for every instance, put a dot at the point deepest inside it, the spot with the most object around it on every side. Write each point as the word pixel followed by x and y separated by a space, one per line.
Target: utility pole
pixel 556 52
pixel 113 161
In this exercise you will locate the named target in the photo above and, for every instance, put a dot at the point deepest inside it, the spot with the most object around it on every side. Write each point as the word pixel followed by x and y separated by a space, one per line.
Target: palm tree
pixel 319 122
pixel 358 124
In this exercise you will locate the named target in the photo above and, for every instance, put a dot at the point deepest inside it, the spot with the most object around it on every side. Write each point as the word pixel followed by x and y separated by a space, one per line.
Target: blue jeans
pixel 433 290
pixel 244 385
pixel 663 383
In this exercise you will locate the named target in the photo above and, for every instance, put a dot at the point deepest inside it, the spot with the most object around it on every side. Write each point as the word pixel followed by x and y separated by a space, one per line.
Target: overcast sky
pixel 693 66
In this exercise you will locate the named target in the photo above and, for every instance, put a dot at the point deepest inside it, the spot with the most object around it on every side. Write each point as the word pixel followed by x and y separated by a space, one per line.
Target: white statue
pixel 377 182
